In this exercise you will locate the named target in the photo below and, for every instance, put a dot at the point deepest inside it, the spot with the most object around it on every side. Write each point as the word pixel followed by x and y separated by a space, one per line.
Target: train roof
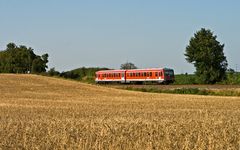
pixel 150 69
pixel 147 69
pixel 110 71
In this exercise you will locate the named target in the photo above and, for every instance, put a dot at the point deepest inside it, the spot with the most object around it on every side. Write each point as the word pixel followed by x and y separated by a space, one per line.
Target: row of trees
pixel 83 73
pixel 20 59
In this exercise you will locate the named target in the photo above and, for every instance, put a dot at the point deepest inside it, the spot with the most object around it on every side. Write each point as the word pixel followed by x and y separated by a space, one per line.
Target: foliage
pixel 206 53
pixel 232 78
pixel 20 59
pixel 128 65
pixel 83 74
pixel 192 91
pixel 185 79
pixel 53 72
pixel 196 91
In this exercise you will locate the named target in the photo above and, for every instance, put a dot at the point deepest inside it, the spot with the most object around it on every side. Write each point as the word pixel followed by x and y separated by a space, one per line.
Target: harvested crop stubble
pixel 48 113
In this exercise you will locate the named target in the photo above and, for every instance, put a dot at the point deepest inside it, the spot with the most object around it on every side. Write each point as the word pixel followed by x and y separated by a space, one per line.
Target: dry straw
pixel 47 113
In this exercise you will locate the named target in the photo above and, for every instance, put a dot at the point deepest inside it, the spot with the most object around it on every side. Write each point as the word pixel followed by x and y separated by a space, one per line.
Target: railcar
pixel 106 76
pixel 157 75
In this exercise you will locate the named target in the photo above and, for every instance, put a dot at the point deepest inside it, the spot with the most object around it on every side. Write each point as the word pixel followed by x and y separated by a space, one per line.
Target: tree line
pixel 83 73
pixel 21 59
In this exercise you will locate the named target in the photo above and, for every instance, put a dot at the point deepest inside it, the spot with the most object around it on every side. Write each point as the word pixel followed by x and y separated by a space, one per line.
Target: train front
pixel 169 75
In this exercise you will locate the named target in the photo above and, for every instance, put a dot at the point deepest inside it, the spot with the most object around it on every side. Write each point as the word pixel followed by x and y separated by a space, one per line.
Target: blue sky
pixel 107 33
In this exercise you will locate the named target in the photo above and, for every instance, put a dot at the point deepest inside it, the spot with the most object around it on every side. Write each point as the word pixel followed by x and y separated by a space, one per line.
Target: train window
pixel 134 74
pixel 145 74
pixel 150 74
pixel 130 74
pixel 160 73
pixel 156 74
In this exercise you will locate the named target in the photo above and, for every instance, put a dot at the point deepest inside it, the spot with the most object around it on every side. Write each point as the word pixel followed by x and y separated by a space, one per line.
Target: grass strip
pixel 192 91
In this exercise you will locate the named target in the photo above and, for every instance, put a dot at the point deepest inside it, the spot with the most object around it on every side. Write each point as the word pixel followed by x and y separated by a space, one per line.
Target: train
pixel 138 76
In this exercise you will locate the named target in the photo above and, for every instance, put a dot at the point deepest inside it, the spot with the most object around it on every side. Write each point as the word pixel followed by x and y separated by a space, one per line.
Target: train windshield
pixel 169 72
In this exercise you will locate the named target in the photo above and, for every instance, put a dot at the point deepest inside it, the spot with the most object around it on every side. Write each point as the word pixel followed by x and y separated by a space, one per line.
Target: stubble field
pixel 48 113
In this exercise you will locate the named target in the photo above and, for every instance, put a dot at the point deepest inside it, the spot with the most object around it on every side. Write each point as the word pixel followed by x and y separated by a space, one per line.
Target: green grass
pixel 185 79
pixel 182 79
pixel 192 91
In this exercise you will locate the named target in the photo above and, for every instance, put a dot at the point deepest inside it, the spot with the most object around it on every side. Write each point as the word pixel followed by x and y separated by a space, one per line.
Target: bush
pixel 185 79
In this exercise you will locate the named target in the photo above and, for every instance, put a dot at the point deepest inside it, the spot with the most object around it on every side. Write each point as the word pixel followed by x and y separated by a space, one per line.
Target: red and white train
pixel 158 75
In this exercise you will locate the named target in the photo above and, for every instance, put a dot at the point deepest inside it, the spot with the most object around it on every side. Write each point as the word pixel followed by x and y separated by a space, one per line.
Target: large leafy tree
pixel 128 65
pixel 20 59
pixel 207 55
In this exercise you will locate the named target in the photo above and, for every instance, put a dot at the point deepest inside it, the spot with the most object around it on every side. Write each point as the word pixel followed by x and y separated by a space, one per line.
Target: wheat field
pixel 39 112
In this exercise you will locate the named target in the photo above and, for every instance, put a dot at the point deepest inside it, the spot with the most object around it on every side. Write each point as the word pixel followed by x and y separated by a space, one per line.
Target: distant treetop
pixel 128 65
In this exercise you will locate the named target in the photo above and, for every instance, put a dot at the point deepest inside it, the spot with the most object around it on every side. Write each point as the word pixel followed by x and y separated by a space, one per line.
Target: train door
pixel 123 77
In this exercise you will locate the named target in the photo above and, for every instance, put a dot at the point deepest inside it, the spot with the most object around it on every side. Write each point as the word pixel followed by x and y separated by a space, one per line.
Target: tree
pixel 53 72
pixel 206 53
pixel 20 59
pixel 128 65
pixel 38 65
